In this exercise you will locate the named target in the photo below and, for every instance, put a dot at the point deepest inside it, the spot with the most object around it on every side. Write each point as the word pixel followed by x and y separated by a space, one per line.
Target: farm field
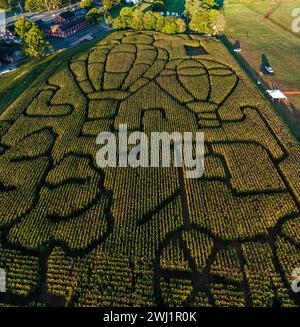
pixel 72 234
pixel 273 38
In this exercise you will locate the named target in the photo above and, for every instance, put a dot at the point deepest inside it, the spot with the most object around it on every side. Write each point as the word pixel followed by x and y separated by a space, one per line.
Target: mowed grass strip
pixel 274 39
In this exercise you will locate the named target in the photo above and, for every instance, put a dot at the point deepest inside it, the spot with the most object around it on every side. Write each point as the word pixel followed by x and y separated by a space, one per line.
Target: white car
pixel 89 38
pixel 269 69
pixel 7 69
pixel 237 49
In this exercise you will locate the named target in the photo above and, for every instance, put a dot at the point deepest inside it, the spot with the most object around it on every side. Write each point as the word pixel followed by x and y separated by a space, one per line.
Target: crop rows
pixel 74 234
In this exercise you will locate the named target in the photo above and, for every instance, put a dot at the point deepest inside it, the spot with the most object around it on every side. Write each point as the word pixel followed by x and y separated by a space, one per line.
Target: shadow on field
pixel 264 63
pixel 289 113
pixel 237 45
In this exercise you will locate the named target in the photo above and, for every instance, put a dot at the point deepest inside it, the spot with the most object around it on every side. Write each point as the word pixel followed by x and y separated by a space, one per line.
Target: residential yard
pixel 175 6
pixel 274 39
pixel 13 84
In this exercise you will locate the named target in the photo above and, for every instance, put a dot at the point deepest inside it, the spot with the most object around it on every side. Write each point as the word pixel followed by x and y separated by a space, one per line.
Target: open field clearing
pixel 77 235
pixel 273 38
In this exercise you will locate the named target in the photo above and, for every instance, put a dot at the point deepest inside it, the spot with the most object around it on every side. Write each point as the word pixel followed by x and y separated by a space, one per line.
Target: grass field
pixel 274 38
pixel 175 6
pixel 14 83
pixel 77 235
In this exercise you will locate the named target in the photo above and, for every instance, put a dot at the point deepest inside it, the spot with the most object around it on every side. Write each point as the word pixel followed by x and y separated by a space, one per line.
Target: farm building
pixel 43 26
pixel 276 95
pixel 65 17
pixel 66 30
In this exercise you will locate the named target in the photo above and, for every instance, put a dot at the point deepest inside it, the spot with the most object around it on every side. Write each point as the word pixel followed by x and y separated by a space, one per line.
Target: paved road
pixel 42 15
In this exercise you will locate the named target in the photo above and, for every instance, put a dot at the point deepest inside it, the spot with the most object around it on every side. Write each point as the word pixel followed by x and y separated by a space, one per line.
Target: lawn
pixel 175 6
pixel 273 38
pixel 83 235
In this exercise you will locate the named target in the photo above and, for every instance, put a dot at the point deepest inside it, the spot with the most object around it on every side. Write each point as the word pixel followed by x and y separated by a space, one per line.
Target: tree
pixel 181 27
pixel 5 4
pixel 119 24
pixel 54 4
pixel 33 39
pixel 200 21
pixel 149 21
pixel 86 4
pixel 23 26
pixel 108 20
pixel 217 21
pixel 208 3
pixel 159 22
pixel 35 5
pixel 126 15
pixel 95 15
pixel 34 44
pixel 137 20
pixel 170 26
pixel 108 4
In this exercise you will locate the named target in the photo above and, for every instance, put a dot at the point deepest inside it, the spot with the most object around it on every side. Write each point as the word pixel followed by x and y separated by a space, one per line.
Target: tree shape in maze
pixel 210 241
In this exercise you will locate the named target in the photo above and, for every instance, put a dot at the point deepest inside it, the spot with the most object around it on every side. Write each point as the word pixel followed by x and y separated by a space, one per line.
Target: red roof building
pixel 66 30
pixel 65 17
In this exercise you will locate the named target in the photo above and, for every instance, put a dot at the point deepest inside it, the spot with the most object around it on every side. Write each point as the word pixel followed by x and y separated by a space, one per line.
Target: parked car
pixel 7 69
pixel 89 38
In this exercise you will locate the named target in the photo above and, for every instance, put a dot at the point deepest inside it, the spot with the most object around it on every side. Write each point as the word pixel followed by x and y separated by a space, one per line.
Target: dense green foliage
pixel 137 20
pixel 33 39
pixel 205 17
pixel 39 5
pixel 95 15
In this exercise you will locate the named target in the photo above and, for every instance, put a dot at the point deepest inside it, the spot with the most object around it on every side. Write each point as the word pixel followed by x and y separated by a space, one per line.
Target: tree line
pixel 137 20
pixel 204 16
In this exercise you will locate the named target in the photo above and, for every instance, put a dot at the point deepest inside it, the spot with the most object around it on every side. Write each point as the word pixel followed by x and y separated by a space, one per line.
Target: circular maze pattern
pixel 74 234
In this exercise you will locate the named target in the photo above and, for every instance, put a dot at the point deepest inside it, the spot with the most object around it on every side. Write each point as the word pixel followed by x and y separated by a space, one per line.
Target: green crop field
pixel 274 38
pixel 76 235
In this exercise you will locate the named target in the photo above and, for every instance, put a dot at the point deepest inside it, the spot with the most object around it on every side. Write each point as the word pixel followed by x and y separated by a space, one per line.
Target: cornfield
pixel 76 235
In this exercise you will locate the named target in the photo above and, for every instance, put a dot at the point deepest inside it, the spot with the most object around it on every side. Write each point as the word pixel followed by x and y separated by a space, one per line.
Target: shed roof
pixel 276 94
pixel 73 23
pixel 67 15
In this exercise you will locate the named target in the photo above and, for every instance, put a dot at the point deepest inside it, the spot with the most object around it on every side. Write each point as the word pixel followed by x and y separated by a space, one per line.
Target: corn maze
pixel 72 234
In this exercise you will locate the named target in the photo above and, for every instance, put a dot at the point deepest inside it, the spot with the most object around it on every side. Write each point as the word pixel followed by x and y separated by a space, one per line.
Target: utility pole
pixel 21 8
